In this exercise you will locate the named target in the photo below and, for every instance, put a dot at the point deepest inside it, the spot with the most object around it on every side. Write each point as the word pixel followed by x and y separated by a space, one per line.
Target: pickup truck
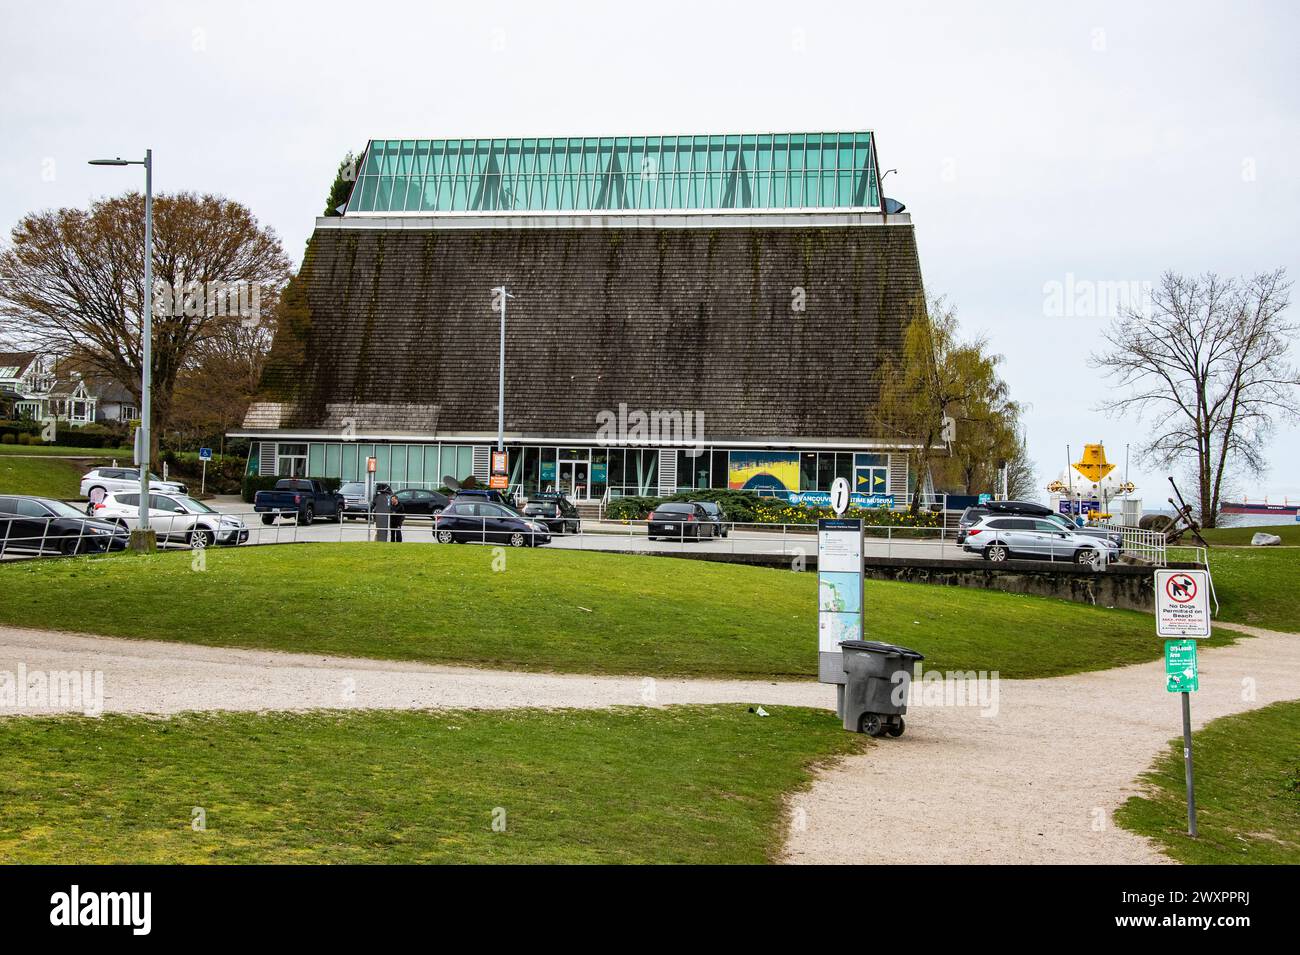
pixel 300 498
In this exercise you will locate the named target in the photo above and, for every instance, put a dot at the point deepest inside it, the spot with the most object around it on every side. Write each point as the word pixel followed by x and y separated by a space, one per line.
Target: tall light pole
pixel 501 295
pixel 146 337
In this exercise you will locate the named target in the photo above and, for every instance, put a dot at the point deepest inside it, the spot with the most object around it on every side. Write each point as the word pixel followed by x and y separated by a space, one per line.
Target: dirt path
pixel 1038 782
pixel 146 676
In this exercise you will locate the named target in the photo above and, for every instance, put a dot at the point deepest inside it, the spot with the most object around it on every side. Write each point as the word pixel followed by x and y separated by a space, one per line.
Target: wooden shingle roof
pixel 399 321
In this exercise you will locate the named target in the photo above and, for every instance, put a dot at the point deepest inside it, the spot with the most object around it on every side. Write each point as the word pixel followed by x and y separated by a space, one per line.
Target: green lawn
pixel 681 785
pixel 1247 792
pixel 550 610
pixel 1255 585
pixel 42 477
pixel 1240 536
pixel 56 451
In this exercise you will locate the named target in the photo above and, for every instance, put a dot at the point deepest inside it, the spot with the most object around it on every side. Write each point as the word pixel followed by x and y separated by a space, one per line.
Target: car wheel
pixel 1087 557
pixel 70 546
pixel 517 539
pixel 444 537
pixel 307 516
pixel 996 553
pixel 201 538
pixel 268 519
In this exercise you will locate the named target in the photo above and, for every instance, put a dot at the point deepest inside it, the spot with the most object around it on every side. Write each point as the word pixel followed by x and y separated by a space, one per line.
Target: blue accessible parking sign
pixel 205 454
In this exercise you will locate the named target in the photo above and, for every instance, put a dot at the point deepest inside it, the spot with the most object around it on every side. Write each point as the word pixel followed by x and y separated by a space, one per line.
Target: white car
pixel 176 518
pixel 100 481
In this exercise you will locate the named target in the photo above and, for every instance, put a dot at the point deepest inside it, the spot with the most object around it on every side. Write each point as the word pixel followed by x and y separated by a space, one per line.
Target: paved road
pixel 605 536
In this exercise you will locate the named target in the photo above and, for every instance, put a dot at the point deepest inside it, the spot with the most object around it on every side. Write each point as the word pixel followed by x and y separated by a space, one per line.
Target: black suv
pixel 715 515
pixel 555 511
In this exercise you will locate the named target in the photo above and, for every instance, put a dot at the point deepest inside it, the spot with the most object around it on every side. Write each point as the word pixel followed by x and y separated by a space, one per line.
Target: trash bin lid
pixel 875 646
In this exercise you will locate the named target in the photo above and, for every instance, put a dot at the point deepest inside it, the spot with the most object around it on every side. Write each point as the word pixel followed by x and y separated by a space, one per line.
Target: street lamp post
pixel 502 295
pixel 142 539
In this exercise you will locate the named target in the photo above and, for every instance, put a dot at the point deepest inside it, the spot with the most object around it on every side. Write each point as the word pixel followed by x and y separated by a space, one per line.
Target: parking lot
pixel 788 540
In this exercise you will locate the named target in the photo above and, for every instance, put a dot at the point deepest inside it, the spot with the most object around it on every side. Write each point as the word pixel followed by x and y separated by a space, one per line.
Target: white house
pixel 31 382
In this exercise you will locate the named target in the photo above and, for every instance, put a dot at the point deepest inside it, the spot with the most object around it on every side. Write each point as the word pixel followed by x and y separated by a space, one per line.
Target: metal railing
pixel 1148 546
pixel 254 528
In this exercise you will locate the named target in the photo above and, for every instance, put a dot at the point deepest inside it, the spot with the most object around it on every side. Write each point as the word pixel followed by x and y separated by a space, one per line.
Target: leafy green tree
pixel 344 180
pixel 942 398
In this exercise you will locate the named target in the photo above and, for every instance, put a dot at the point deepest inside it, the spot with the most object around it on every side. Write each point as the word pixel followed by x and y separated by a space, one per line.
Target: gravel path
pixel 148 676
pixel 1038 782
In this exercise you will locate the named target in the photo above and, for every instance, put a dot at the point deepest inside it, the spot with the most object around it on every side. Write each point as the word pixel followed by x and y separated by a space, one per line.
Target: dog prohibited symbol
pixel 1181 588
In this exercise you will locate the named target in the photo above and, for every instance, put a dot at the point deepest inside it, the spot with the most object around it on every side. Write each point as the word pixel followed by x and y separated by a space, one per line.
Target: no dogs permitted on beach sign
pixel 1182 603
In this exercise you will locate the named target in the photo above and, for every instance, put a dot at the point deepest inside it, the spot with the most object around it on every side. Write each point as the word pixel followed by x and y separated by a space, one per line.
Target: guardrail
pixel 252 528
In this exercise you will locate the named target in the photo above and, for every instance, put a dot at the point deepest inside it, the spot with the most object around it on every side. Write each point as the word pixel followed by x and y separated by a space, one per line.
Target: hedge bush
pixel 747 507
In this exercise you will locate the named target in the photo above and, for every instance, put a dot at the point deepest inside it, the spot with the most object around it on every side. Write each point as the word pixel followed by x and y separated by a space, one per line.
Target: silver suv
pixel 998 537
pixel 96 484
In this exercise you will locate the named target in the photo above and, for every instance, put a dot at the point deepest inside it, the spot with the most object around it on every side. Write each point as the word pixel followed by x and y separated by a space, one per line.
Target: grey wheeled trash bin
pixel 878 676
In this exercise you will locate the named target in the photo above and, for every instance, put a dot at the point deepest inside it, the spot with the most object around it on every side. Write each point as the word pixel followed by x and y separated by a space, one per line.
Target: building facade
pixel 684 312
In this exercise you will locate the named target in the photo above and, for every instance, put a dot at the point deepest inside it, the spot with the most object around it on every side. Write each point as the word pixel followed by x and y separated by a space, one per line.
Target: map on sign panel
pixel 839 593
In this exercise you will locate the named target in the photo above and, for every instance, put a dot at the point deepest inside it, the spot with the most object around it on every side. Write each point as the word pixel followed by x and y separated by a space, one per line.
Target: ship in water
pixel 1259 508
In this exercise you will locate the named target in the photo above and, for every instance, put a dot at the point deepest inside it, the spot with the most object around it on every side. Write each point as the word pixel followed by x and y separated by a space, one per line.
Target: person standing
pixel 396 518
pixel 382 507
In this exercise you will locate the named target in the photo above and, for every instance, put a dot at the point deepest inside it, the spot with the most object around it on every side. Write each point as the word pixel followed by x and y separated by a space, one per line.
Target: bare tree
pixel 72 283
pixel 1208 367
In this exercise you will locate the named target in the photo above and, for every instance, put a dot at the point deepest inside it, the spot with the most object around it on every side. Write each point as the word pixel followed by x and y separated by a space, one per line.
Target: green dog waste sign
pixel 1180 666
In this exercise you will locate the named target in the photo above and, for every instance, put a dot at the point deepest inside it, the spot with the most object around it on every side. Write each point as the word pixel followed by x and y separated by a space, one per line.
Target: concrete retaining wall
pixel 1120 585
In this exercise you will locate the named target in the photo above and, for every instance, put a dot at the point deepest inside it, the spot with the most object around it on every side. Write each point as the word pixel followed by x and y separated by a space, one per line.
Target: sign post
pixel 839 591
pixel 1183 615
pixel 205 455
pixel 500 476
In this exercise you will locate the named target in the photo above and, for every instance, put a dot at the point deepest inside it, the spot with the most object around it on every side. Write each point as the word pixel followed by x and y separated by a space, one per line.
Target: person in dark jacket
pixel 382 506
pixel 396 518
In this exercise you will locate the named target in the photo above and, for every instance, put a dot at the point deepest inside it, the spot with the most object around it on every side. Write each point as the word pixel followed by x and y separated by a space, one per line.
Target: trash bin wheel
pixel 872 724
pixel 896 729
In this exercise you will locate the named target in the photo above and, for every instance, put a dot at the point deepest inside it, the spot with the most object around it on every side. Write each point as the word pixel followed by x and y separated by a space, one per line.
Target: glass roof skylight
pixel 767 171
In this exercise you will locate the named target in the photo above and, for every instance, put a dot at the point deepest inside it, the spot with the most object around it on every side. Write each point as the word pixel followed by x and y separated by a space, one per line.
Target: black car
pixel 555 511
pixel 415 500
pixel 43 525
pixel 680 520
pixel 473 519
pixel 715 515
pixel 482 494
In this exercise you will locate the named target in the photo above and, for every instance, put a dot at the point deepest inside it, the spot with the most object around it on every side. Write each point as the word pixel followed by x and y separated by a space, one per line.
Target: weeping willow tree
pixel 941 397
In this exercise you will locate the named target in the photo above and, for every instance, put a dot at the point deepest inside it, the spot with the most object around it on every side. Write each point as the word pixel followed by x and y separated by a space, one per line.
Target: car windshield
pixel 356 488
pixel 193 506
pixel 63 510
pixel 676 509
pixel 546 510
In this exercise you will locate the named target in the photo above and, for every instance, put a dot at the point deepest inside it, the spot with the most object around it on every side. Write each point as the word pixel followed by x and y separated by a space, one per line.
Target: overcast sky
pixel 1034 143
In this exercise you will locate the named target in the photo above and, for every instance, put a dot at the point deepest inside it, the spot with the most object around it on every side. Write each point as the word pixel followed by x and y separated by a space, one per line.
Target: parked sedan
pixel 479 520
pixel 997 538
pixel 556 512
pixel 416 500
pixel 176 519
pixel 679 520
pixel 41 524
pixel 98 482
